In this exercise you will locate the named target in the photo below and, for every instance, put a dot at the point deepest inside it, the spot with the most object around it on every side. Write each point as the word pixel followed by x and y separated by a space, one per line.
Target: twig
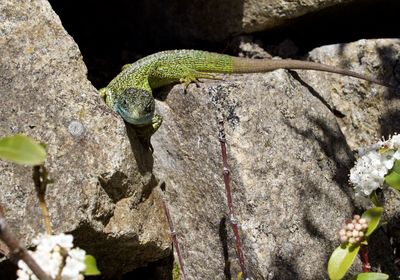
pixel 232 217
pixel 40 179
pixel 17 251
pixel 174 239
pixel 64 255
pixel 364 258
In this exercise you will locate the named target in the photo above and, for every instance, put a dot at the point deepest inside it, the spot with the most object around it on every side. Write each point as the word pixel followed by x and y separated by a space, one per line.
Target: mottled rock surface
pixel 102 190
pixel 288 157
pixel 366 111
pixel 289 162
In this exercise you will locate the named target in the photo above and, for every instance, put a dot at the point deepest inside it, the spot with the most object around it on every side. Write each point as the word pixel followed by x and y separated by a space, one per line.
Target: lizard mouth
pixel 135 106
pixel 135 119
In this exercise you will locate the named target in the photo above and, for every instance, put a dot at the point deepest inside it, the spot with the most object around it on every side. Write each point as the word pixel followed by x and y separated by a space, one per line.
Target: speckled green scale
pixel 168 67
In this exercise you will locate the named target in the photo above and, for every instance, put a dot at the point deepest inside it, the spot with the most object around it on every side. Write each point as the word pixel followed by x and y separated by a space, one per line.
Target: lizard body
pixel 130 92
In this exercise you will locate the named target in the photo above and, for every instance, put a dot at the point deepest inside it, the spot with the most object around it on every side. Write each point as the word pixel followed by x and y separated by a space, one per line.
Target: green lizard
pixel 130 93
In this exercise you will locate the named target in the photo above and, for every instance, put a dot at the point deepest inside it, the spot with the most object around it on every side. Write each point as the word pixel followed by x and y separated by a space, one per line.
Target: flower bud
pixel 362 221
pixel 364 226
pixel 350 226
pixel 343 238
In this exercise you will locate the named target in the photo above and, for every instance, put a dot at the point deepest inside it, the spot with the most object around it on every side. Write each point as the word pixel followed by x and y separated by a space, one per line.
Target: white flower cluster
pixel 50 252
pixel 369 172
pixel 354 230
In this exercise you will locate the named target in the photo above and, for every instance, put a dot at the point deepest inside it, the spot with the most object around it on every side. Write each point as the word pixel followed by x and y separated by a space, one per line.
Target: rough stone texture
pixel 367 112
pixel 289 164
pixel 266 14
pixel 102 191
pixel 288 157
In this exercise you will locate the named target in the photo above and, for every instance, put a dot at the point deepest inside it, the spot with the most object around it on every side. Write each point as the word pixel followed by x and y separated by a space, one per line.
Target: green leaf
pixel 21 149
pixel 373 216
pixel 393 176
pixel 341 260
pixel 370 276
pixel 239 276
pixel 374 198
pixel 91 266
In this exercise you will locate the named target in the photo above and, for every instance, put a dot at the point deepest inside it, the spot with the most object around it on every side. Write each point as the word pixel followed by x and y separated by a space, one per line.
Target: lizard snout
pixel 135 106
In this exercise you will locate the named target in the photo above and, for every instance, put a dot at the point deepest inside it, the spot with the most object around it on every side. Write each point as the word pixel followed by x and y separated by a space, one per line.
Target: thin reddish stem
pixel 232 218
pixel 364 258
pixel 174 240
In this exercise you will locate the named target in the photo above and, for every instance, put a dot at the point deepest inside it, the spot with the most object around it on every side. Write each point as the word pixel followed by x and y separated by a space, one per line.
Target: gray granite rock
pixel 103 190
pixel 366 111
pixel 288 157
pixel 289 164
pixel 266 14
pixel 289 161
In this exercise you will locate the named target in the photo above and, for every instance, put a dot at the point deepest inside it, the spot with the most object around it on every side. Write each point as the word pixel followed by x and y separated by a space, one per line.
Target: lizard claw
pixel 187 81
pixel 144 133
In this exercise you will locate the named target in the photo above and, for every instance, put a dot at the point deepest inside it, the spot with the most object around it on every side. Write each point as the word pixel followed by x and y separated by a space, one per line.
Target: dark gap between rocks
pixel 159 270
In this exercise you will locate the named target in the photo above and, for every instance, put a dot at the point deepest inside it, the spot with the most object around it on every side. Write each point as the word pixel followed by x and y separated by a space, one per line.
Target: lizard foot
pixel 187 81
pixel 144 133
pixel 195 78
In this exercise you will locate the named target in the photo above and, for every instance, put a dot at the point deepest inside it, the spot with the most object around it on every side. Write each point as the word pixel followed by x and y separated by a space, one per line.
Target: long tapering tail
pixel 245 65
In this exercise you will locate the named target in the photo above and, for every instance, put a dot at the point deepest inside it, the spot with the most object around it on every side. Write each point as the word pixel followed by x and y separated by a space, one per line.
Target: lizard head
pixel 135 106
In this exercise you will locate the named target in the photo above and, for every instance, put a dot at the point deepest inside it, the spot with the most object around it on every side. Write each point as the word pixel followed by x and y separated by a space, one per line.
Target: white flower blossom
pixel 50 252
pixel 368 173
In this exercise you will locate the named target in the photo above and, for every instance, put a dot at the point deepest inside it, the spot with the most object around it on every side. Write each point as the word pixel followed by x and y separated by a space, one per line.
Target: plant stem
pixel 17 251
pixel 174 239
pixel 364 258
pixel 232 218
pixel 41 181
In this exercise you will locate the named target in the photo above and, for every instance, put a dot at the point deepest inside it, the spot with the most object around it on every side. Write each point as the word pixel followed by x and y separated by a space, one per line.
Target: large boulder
pixel 289 165
pixel 289 161
pixel 103 183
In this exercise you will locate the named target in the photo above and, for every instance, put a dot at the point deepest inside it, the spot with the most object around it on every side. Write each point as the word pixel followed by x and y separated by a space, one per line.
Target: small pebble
pixel 76 128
